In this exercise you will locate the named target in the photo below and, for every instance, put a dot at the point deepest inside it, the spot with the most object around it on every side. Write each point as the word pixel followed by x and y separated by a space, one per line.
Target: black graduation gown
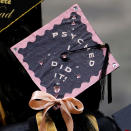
pixel 16 86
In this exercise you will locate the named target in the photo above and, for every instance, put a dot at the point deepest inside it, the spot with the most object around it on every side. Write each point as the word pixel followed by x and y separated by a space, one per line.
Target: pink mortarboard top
pixel 64 57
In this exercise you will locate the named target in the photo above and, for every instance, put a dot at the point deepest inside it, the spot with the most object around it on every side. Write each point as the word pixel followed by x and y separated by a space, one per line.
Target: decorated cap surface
pixel 59 58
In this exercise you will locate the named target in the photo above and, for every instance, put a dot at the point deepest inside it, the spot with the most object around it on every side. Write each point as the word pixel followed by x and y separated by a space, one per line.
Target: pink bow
pixel 41 100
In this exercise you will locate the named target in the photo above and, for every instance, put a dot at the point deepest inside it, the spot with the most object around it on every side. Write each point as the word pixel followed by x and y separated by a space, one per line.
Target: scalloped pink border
pixel 49 26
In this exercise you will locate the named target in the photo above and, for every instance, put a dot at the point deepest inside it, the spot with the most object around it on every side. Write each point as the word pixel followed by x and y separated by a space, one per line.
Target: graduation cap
pixel 12 10
pixel 65 57
pixel 123 118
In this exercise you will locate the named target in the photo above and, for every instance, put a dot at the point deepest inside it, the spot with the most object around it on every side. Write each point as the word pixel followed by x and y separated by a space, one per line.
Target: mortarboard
pixel 64 58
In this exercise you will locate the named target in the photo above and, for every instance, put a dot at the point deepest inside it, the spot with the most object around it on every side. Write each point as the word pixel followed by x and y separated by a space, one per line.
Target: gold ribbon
pixel 41 100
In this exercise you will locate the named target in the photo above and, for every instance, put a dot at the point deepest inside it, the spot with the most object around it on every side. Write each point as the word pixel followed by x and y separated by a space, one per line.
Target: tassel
pixel 103 74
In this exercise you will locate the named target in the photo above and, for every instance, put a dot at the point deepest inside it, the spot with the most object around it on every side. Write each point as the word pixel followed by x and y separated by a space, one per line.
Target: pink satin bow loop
pixel 41 100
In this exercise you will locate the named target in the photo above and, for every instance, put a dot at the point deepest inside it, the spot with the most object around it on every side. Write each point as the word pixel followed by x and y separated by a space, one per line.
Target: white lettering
pixel 68 47
pixel 61 66
pixel 55 34
pixel 91 63
pixel 61 76
pixel 64 34
pixel 68 69
pixel 80 41
pixel 55 75
pixel 54 63
pixel 91 55
pixel 65 79
pixel 86 46
pixel 73 36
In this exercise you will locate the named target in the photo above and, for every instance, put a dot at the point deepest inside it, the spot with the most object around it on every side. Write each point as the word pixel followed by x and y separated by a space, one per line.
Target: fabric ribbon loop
pixel 41 100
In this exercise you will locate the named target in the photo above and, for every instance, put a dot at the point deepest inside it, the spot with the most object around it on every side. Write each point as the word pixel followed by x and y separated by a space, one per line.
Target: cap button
pixel 64 56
